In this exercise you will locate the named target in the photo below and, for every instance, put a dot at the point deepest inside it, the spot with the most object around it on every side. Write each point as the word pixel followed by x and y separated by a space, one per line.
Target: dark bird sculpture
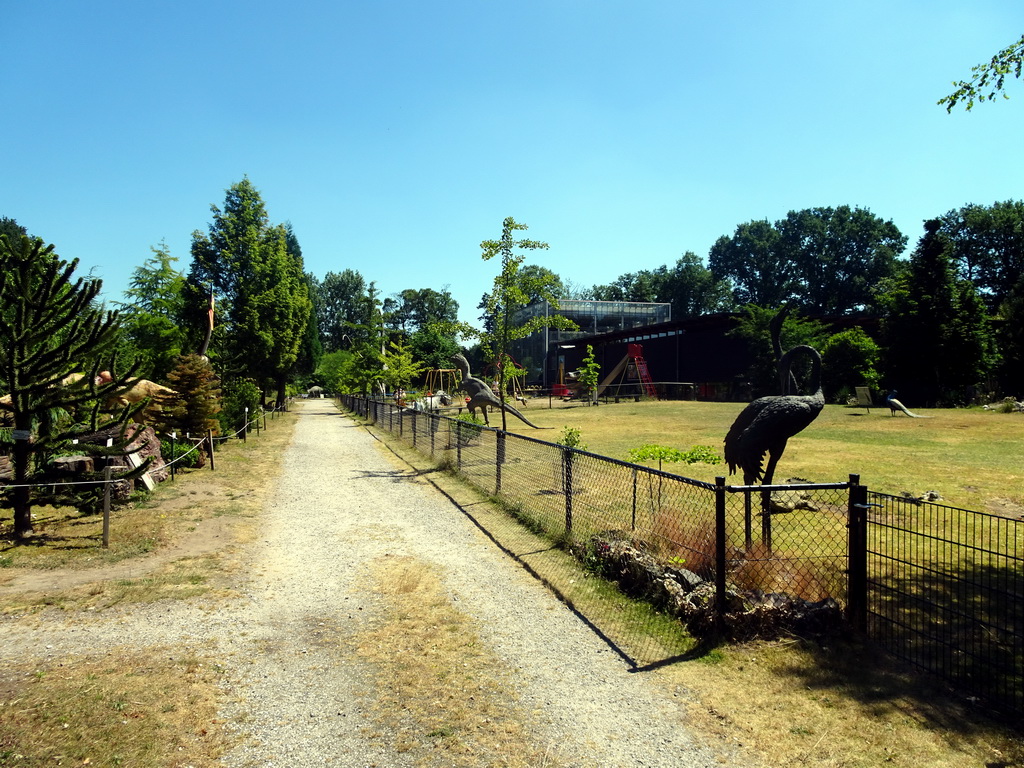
pixel 480 394
pixel 766 424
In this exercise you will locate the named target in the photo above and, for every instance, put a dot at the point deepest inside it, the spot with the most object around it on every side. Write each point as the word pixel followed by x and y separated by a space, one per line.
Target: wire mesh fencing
pixel 946 593
pixel 937 586
pixel 708 557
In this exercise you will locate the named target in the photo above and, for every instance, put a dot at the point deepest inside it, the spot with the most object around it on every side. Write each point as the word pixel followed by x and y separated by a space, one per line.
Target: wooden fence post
pixel 106 506
pixel 209 438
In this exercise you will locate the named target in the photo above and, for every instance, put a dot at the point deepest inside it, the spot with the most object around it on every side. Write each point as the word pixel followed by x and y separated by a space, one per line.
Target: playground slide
pixel 613 376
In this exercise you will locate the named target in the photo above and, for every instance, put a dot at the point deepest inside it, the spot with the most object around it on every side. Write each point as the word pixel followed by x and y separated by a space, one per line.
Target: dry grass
pixel 128 708
pixel 133 707
pixel 186 528
pixel 442 696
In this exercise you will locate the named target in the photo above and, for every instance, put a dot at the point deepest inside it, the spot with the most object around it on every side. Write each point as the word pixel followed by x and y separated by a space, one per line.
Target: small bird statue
pixel 767 423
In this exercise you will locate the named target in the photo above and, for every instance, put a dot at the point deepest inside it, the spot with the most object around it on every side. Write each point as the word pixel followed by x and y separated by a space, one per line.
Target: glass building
pixel 538 353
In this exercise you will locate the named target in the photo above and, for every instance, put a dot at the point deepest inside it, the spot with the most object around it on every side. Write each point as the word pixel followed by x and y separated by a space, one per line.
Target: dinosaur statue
pixel 896 405
pixel 481 396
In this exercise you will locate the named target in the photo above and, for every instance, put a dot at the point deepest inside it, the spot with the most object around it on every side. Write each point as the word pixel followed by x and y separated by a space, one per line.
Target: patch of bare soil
pixel 206 537
pixel 1005 508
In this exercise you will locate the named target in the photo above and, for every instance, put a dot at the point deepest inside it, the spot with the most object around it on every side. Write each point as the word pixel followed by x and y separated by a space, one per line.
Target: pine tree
pixel 55 341
pixel 194 410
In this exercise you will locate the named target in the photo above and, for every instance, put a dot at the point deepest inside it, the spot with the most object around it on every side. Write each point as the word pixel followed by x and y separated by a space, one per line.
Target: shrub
pixel 238 395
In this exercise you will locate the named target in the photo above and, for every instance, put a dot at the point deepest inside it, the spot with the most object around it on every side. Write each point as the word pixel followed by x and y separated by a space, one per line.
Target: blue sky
pixel 396 136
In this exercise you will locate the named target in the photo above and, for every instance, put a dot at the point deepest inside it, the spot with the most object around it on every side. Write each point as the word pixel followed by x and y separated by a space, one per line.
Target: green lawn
pixel 973 458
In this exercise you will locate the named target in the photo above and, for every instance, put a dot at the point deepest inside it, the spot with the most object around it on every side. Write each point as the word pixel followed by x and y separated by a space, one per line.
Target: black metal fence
pixel 938 586
pixel 946 593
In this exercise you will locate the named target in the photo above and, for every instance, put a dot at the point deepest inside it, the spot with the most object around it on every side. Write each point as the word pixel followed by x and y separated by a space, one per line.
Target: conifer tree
pixel 938 341
pixel 193 411
pixel 55 343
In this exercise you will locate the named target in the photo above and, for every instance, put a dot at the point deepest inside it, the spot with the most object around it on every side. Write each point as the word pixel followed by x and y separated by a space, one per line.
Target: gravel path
pixel 297 698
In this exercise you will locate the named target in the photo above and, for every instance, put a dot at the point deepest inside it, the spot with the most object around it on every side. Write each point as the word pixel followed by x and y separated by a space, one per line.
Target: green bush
pixel 181 448
pixel 238 395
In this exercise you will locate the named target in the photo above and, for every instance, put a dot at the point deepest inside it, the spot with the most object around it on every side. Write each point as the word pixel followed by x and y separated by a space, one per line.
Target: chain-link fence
pixel 938 586
pixel 743 561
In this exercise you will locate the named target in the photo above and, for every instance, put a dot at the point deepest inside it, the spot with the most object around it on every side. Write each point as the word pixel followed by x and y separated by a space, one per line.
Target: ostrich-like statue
pixel 766 424
pixel 480 395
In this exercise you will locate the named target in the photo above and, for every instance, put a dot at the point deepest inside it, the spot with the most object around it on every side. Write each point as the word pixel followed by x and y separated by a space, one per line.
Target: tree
pixel 988 246
pixel 255 270
pixel 1011 342
pixel 849 359
pixel 193 409
pixel 51 328
pixel 823 260
pixel 839 255
pixel 755 328
pixel 691 288
pixel 399 366
pixel 988 79
pixel 434 347
pixel 590 372
pixel 415 308
pixel 937 342
pixel 311 349
pixel 342 309
pixel 511 291
pixel 753 261
pixel 151 315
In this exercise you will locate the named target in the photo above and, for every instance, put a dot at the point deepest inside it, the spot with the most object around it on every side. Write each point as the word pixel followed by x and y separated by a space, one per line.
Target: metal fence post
pixel 414 429
pixel 857 557
pixel 567 487
pixel 633 521
pixel 458 444
pixel 499 460
pixel 720 600
pixel 106 506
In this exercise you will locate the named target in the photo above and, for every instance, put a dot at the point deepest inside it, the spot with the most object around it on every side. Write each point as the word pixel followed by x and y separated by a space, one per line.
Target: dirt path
pixel 362 571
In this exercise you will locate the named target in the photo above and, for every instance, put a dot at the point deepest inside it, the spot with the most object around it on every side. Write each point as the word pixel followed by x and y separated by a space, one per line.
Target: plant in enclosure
pixel 698 454
pixel 467 427
pixel 793 574
pixel 589 373
pixel 571 438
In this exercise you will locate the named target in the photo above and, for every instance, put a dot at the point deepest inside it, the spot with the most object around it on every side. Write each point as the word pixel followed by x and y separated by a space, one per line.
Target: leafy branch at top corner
pixel 988 79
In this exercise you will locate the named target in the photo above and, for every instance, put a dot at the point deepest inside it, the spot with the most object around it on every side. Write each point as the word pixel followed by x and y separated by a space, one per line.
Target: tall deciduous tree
pixel 823 260
pixel 753 261
pixel 839 255
pixel 55 341
pixel 342 309
pixel 988 246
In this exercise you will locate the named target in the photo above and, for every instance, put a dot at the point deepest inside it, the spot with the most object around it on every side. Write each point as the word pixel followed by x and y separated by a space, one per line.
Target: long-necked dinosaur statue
pixel 480 395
